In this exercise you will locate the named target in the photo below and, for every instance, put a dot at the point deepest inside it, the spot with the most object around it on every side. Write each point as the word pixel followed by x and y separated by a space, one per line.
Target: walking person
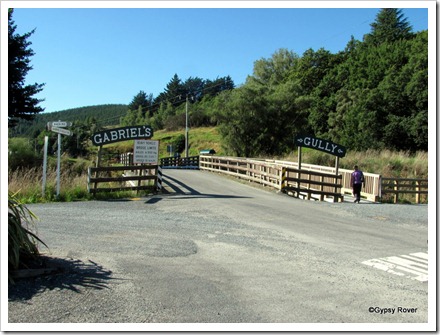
pixel 356 182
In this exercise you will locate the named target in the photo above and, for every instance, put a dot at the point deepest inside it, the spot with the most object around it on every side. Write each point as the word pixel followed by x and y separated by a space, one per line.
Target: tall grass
pixel 27 185
pixel 397 164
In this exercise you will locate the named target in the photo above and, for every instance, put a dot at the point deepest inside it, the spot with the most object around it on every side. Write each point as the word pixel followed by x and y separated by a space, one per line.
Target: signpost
pixel 46 141
pixel 146 151
pixel 170 149
pixel 319 144
pixel 59 124
pixel 56 127
pixel 61 131
pixel 122 134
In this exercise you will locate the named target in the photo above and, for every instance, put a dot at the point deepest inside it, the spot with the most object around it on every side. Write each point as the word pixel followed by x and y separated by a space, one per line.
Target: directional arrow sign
pixel 320 144
pixel 61 131
pixel 61 124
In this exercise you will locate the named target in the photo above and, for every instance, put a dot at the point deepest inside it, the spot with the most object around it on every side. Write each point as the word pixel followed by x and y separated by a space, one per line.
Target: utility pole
pixel 186 128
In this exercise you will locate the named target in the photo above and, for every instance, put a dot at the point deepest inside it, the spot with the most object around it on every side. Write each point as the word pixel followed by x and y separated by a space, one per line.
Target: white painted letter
pixel 97 138
pixel 114 135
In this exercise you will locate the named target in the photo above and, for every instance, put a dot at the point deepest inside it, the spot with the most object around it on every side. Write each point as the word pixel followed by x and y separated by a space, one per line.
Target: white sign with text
pixel 146 152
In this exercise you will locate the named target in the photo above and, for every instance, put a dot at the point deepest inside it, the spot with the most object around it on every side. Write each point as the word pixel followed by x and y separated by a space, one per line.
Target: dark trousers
pixel 357 191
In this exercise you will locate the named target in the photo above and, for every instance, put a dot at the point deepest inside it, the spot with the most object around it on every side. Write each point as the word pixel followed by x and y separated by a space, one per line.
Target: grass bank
pixel 199 139
pixel 392 164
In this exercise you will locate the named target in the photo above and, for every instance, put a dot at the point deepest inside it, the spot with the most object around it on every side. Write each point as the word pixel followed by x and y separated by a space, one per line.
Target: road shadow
pixel 178 187
pixel 180 190
pixel 66 274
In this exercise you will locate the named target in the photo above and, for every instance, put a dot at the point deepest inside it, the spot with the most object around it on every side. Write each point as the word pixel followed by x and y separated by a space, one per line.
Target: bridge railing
pixel 269 172
pixel 126 158
pixel 252 170
pixel 312 184
pixel 191 162
pixel 398 186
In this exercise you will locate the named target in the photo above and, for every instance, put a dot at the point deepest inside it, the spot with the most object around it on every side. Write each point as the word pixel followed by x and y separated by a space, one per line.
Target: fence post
pixel 418 191
pixel 309 194
pixel 283 179
pixel 159 178
pixel 89 175
pixel 139 181
pixel 396 189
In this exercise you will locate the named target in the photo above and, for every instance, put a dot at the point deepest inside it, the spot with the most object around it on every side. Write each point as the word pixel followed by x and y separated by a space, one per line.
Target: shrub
pixel 22 242
pixel 179 143
pixel 21 154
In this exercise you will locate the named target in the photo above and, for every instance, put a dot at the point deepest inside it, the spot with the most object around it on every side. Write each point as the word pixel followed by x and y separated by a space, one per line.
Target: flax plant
pixel 22 242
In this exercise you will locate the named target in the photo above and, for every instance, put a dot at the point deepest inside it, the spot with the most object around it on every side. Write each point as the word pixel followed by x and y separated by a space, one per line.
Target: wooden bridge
pixel 312 182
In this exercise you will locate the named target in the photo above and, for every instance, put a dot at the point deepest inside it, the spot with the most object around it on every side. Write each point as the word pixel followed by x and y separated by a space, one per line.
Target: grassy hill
pixel 199 139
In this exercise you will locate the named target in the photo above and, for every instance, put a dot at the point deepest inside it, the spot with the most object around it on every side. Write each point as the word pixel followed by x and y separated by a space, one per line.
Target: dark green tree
pixel 214 87
pixel 144 101
pixel 22 104
pixel 193 88
pixel 175 91
pixel 390 26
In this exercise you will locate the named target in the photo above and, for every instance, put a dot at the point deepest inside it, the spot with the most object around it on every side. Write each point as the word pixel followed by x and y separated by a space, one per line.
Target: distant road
pixel 214 250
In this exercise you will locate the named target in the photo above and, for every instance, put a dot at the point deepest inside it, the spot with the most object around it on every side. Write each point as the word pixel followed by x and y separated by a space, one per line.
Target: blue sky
pixel 107 55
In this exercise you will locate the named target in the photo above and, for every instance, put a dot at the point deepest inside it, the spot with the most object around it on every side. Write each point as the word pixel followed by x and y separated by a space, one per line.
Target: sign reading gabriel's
pixel 122 134
pixel 320 144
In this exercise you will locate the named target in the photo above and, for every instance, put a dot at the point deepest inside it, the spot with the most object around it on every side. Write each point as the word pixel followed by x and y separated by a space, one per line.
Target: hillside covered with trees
pixel 371 95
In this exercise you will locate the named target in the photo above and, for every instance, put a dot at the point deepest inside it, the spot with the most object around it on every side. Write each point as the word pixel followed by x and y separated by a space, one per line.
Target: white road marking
pixel 413 266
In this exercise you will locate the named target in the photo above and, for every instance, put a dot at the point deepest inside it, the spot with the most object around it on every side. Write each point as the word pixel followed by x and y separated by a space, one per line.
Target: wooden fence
pixel 126 158
pixel 142 175
pixel 191 162
pixel 312 181
pixel 247 169
pixel 372 188
pixel 312 185
pixel 307 183
pixel 269 173
pixel 400 186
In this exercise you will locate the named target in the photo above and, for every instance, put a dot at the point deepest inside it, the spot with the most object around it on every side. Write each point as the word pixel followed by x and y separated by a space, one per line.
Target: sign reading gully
pixel 122 134
pixel 320 144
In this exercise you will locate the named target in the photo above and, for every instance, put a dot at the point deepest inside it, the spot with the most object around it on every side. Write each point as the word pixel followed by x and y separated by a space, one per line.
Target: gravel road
pixel 215 251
